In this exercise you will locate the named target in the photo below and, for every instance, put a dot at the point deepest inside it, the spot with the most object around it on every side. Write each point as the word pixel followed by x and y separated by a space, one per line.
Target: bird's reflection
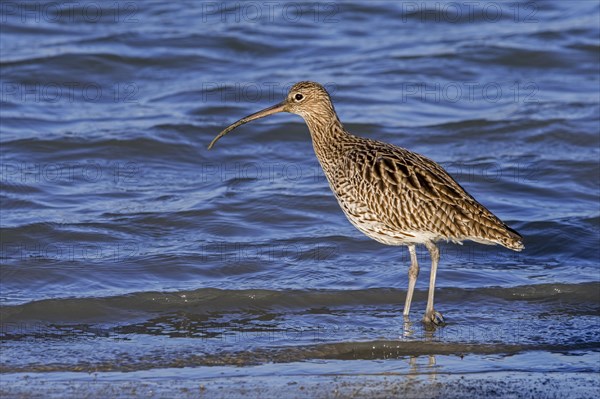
pixel 416 368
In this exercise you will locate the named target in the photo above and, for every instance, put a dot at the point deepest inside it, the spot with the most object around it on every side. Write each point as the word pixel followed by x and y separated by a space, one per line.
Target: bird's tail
pixel 511 239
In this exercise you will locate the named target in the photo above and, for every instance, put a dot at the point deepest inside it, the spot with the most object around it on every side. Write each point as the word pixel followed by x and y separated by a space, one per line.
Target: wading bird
pixel 392 195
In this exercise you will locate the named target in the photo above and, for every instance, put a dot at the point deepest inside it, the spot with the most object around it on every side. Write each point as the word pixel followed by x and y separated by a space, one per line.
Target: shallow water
pixel 127 246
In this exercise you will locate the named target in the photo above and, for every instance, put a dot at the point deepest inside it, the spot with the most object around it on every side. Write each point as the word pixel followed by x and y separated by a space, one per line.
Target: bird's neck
pixel 328 136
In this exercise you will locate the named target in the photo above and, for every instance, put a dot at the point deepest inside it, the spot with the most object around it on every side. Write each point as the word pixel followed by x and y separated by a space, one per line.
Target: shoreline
pixel 513 384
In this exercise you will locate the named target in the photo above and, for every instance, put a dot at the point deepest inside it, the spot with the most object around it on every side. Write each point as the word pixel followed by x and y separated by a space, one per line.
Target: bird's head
pixel 310 100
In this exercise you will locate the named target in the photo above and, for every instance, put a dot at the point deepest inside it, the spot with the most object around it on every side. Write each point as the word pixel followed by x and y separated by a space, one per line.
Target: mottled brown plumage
pixel 391 194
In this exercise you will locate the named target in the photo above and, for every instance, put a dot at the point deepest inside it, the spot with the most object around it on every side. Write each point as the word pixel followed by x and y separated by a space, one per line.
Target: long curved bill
pixel 260 114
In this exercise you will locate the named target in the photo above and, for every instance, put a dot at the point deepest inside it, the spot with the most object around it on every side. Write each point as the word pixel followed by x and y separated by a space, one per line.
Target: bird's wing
pixel 410 192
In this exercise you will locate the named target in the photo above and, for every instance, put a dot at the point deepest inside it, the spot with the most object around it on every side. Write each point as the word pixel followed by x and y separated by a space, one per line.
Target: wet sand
pixel 489 385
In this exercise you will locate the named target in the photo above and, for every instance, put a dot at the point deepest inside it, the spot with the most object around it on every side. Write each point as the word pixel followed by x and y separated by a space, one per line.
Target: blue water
pixel 127 246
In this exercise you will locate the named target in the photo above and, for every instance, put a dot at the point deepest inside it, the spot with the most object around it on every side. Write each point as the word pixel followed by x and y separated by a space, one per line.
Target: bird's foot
pixel 434 318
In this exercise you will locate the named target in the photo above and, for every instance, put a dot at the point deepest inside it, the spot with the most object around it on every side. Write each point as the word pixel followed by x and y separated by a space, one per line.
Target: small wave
pixel 209 300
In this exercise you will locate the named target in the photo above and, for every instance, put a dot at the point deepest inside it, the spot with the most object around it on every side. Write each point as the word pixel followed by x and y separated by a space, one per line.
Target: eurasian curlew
pixel 392 195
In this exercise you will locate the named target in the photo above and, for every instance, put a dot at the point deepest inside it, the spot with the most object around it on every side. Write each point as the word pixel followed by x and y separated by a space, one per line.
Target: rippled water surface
pixel 127 246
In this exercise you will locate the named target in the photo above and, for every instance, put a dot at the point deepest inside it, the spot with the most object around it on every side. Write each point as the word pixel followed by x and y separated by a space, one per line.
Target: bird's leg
pixel 413 273
pixel 431 316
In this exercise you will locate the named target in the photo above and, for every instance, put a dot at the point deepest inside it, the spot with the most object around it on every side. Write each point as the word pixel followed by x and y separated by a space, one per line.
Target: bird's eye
pixel 298 97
